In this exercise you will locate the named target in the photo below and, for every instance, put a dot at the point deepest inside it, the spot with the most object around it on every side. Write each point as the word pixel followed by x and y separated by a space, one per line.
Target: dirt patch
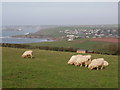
pixel 113 40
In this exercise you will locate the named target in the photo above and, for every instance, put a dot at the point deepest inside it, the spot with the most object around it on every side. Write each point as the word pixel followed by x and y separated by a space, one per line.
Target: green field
pixel 80 43
pixel 49 69
pixel 86 44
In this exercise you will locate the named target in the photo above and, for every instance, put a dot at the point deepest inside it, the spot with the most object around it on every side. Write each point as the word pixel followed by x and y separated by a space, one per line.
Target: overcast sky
pixel 85 13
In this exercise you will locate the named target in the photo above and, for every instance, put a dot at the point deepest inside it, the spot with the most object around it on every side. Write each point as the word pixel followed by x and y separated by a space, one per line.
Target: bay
pixel 6 36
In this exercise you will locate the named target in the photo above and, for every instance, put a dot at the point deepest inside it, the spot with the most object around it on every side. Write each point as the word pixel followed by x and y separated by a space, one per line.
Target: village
pixel 89 33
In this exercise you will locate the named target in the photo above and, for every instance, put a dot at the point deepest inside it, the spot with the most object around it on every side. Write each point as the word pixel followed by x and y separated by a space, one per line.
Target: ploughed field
pixel 49 69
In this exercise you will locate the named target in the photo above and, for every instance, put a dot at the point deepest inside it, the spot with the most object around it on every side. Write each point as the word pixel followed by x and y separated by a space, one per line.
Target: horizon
pixel 63 25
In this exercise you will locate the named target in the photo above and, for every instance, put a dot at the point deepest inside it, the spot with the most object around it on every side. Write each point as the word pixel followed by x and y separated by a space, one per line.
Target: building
pixel 70 39
pixel 81 51
pixel 89 51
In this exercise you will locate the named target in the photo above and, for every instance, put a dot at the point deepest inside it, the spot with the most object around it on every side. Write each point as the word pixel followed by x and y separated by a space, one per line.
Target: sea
pixel 6 36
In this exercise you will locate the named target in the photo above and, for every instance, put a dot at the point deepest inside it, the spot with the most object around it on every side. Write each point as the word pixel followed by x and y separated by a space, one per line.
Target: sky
pixel 60 0
pixel 59 13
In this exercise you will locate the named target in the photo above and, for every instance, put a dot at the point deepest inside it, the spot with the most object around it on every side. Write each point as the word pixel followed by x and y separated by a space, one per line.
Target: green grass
pixel 80 43
pixel 86 44
pixel 49 69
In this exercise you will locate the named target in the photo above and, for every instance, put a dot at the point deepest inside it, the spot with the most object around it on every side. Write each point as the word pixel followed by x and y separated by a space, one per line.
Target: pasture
pixel 79 43
pixel 49 69
pixel 86 44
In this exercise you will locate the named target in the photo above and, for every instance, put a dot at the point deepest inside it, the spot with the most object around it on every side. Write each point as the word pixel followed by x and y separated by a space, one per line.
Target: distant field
pixel 86 44
pixel 81 43
pixel 112 40
pixel 104 45
pixel 49 69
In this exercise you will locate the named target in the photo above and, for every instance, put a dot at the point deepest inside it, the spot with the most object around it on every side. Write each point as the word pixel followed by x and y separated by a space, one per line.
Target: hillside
pixel 49 69
pixel 86 44
pixel 83 44
pixel 81 31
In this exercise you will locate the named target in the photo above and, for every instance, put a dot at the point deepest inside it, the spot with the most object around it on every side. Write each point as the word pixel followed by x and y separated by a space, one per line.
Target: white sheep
pixel 96 63
pixel 27 53
pixel 86 59
pixel 73 59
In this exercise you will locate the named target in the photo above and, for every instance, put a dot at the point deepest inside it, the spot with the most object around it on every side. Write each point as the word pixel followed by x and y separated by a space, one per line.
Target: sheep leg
pixel 97 68
pixel 31 55
pixel 76 64
pixel 81 65
pixel 101 67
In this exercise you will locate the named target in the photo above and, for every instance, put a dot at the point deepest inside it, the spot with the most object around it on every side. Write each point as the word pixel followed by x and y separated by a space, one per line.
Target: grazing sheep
pixel 80 61
pixel 73 59
pixel 86 59
pixel 27 53
pixel 96 63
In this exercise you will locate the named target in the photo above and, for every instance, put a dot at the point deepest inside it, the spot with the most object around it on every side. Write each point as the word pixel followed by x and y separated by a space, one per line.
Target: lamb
pixel 73 59
pixel 27 53
pixel 86 59
pixel 96 63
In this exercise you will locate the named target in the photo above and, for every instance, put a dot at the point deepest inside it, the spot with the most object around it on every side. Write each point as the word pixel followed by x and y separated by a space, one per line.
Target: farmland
pixel 86 44
pixel 49 69
pixel 80 43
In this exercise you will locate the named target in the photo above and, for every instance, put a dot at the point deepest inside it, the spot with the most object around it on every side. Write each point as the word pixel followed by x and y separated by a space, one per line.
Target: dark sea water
pixel 6 36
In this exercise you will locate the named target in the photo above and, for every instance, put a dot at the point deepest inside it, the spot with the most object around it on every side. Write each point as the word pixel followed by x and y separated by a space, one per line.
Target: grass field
pixel 86 44
pixel 49 69
pixel 80 43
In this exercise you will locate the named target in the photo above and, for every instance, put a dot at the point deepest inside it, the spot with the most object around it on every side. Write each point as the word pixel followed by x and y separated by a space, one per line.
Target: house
pixel 81 51
pixel 70 39
pixel 70 36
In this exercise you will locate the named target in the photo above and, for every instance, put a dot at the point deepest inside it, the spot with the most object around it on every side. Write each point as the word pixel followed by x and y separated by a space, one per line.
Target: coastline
pixel 49 38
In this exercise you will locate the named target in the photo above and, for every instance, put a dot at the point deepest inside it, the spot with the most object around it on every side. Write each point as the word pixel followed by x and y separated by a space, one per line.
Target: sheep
pixel 73 59
pixel 27 53
pixel 96 63
pixel 86 59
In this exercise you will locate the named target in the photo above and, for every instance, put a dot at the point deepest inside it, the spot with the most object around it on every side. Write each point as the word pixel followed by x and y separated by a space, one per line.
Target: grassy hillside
pixel 81 43
pixel 49 70
pixel 86 44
